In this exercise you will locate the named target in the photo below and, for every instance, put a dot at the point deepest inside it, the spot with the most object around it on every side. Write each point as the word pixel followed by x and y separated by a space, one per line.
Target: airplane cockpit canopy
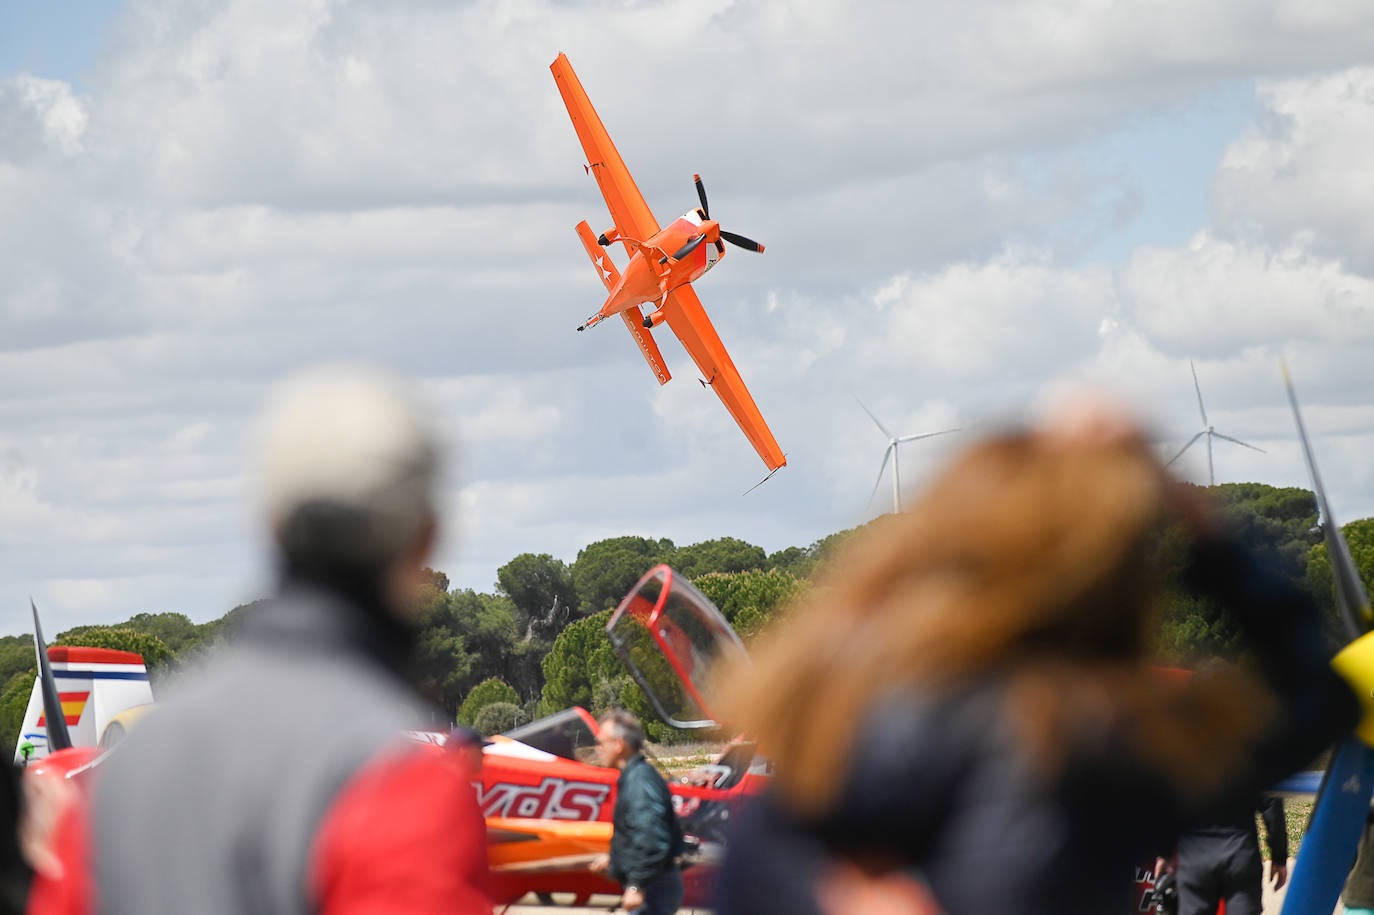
pixel 671 637
pixel 570 733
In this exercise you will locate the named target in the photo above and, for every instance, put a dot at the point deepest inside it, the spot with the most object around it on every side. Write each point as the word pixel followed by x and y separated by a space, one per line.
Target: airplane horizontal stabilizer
pixel 634 320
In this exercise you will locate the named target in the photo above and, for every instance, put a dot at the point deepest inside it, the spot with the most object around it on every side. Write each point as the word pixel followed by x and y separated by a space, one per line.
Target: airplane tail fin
pixel 91 687
pixel 606 269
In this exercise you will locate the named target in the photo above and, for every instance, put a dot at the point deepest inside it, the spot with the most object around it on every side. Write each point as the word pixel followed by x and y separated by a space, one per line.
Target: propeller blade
pixel 911 438
pixel 1342 803
pixel 889 435
pixel 882 469
pixel 741 242
pixel 1333 832
pixel 1197 387
pixel 685 250
pixel 59 738
pixel 701 195
pixel 1184 448
pixel 1350 592
pixel 1236 441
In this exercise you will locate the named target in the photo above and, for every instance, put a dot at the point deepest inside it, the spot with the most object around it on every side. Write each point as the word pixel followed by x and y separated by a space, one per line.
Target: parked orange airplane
pixel 663 264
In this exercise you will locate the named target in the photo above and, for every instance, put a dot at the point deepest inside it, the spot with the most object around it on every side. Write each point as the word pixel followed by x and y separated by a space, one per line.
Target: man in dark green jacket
pixel 647 839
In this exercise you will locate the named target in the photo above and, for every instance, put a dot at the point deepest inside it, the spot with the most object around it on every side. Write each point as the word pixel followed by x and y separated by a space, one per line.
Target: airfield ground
pixel 679 760
pixel 1273 902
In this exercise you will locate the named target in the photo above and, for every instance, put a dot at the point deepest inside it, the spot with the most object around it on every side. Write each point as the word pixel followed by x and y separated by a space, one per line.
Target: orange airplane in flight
pixel 663 264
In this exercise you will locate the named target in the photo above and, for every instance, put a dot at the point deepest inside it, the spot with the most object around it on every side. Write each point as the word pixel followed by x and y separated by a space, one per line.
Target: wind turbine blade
pixel 1184 448
pixel 1198 388
pixel 1236 441
pixel 59 738
pixel 882 469
pixel 912 438
pixel 1350 592
pixel 889 435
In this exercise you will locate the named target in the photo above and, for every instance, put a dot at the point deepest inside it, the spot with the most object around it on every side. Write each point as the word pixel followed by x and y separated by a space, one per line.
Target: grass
pixel 1297 814
pixel 683 758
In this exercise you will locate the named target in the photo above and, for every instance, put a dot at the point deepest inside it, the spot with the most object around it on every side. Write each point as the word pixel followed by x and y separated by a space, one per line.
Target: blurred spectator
pixel 277 780
pixel 468 745
pixel 965 695
pixel 1220 860
pixel 1358 894
pixel 23 838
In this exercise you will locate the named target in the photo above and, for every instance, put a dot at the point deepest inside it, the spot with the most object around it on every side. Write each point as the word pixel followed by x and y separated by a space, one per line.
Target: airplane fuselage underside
pixel 649 278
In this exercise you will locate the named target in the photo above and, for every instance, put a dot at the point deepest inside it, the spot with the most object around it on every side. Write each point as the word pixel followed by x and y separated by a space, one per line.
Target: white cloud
pixel 1300 174
pixel 1016 313
pixel 1217 295
pixel 39 115
pixel 249 186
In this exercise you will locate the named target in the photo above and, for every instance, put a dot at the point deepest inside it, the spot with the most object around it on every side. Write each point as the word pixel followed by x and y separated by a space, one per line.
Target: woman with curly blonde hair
pixel 966 695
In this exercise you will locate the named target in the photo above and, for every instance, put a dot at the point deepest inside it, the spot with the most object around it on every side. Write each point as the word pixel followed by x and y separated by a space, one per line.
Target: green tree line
pixel 536 643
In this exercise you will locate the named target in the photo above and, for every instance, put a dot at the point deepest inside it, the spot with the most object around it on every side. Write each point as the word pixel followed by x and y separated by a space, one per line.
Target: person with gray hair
pixel 278 780
pixel 646 838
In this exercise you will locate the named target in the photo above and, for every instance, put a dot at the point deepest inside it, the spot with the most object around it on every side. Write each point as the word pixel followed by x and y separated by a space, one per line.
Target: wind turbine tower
pixel 891 453
pixel 1207 431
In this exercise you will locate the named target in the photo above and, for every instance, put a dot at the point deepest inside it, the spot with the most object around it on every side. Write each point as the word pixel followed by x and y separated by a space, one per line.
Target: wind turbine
pixel 1209 432
pixel 893 441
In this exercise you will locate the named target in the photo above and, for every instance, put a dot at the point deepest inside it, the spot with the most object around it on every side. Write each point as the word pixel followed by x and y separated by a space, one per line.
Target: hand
pixel 600 864
pixel 47 798
pixel 1278 873
pixel 633 899
pixel 847 888
pixel 1084 418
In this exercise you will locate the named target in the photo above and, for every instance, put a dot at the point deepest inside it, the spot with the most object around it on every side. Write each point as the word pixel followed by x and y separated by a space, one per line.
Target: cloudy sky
pixel 966 209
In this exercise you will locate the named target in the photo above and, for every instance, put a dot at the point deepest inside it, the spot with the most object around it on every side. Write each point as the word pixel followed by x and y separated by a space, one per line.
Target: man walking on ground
pixel 647 838
pixel 1222 860
pixel 277 780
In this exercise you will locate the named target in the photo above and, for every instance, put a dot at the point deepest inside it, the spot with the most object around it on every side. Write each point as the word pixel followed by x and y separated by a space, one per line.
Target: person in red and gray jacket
pixel 276 780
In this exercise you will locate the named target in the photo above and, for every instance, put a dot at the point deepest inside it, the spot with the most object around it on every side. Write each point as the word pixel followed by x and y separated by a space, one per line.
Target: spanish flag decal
pixel 73 704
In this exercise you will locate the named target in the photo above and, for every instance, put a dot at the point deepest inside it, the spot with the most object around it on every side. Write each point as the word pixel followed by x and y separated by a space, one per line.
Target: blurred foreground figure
pixel 276 780
pixel 467 745
pixel 962 718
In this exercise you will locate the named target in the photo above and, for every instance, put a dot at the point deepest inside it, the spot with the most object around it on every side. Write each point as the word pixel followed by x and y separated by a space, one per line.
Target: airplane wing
pixel 534 846
pixel 688 320
pixel 632 215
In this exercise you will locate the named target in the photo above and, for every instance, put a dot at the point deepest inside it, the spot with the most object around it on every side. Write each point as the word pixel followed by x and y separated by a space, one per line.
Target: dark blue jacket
pixel 647 838
pixel 939 787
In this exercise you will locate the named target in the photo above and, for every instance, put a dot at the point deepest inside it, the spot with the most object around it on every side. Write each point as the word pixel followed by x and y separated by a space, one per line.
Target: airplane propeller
pixel 734 238
pixel 688 248
pixel 59 738
pixel 740 241
pixel 1343 799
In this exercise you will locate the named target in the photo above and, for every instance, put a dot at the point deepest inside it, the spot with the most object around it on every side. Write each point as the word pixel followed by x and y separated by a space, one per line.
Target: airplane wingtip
pixel 767 478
